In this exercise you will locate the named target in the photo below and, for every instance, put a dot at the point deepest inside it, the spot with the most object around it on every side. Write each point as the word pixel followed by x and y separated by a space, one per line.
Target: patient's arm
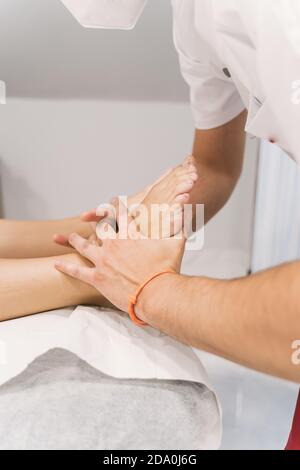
pixel 27 239
pixel 30 286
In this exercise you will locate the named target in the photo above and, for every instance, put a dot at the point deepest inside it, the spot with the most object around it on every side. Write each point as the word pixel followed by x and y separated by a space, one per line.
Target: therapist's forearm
pixel 219 155
pixel 252 321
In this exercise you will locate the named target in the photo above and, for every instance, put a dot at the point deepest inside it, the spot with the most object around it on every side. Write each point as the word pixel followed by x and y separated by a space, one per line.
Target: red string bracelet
pixel 134 298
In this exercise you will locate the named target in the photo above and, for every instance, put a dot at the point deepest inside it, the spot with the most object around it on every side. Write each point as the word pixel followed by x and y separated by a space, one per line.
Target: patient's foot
pixel 171 192
pixel 161 213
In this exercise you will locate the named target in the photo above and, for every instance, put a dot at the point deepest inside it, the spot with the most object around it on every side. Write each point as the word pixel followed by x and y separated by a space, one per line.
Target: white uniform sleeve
pixel 215 99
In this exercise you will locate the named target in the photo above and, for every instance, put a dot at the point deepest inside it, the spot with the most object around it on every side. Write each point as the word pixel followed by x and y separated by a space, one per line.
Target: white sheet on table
pixel 105 339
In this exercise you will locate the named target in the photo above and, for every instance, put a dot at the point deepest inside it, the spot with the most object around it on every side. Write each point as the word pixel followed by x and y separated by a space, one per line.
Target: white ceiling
pixel 45 53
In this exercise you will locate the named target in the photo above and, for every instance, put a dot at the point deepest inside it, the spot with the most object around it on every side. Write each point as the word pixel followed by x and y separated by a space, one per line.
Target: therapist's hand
pixel 91 217
pixel 120 266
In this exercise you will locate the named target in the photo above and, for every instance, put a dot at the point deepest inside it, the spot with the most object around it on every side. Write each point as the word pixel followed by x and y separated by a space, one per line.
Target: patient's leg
pixel 27 239
pixel 30 286
pixel 158 210
pixel 34 239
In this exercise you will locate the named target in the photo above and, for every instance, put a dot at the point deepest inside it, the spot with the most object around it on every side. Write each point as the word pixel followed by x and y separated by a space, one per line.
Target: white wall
pixel 45 53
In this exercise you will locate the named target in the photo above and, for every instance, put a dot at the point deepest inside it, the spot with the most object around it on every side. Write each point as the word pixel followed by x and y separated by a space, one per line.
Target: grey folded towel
pixel 61 402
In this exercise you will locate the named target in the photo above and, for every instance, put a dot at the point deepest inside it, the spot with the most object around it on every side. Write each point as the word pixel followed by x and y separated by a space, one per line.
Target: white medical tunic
pixel 237 54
